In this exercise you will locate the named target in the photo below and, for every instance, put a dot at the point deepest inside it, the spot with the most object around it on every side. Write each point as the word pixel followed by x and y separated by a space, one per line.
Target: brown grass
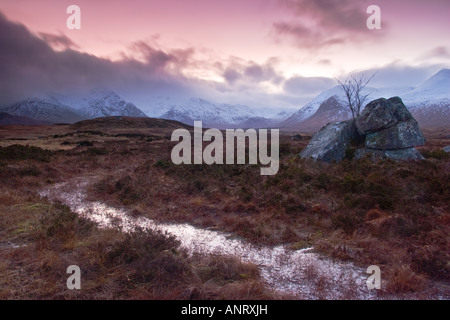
pixel 40 240
pixel 395 215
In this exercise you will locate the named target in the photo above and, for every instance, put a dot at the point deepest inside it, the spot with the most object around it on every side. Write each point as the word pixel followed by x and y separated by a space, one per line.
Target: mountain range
pixel 429 103
pixel 43 110
pixel 222 116
pixel 101 103
pixel 64 109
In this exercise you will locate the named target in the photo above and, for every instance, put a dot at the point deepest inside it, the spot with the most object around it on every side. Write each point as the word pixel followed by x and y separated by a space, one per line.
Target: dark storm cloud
pixel 251 72
pixel 331 14
pixel 58 40
pixel 31 67
pixel 158 60
pixel 324 23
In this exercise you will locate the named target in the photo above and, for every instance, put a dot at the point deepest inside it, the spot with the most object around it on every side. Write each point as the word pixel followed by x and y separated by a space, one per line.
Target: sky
pixel 262 53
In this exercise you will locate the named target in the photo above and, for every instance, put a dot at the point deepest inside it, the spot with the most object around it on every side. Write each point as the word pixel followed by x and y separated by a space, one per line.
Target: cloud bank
pixel 31 66
pixel 42 64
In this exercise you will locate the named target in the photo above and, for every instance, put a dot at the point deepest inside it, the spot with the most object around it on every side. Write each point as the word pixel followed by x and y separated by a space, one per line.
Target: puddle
pixel 301 273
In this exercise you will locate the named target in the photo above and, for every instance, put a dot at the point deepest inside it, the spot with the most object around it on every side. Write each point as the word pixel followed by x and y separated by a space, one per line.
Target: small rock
pixel 446 149
pixel 297 137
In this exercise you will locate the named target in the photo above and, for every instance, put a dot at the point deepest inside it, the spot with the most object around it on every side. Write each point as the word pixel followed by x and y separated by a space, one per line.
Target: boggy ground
pixel 394 215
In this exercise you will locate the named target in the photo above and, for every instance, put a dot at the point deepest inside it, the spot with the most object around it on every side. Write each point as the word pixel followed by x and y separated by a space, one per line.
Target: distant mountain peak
pixel 429 103
pixel 443 73
pixel 46 110
pixel 104 102
pixel 60 108
pixel 224 115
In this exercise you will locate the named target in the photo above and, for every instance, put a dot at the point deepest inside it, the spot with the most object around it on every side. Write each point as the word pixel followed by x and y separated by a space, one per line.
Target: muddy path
pixel 301 273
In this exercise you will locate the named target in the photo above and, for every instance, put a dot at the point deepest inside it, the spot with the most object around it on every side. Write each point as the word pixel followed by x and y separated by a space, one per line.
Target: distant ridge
pixel 121 122
pixel 43 110
pixel 8 119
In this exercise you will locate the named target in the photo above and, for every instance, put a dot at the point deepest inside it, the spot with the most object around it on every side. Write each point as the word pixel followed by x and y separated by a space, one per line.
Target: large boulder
pixel 382 114
pixel 399 110
pixel 390 130
pixel 396 154
pixel 376 116
pixel 331 142
pixel 405 134
pixel 387 127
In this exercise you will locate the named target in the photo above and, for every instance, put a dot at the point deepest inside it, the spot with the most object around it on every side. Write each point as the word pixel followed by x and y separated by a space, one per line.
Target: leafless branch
pixel 353 87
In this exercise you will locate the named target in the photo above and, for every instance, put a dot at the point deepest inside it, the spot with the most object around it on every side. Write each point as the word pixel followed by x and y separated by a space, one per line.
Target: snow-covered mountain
pixel 312 107
pixel 212 115
pixel 222 115
pixel 155 107
pixel 103 103
pixel 44 110
pixel 340 113
pixel 429 103
pixel 434 90
pixel 331 110
pixel 67 109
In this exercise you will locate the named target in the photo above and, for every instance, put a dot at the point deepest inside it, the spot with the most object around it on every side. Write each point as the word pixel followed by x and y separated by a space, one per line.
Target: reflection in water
pixel 301 273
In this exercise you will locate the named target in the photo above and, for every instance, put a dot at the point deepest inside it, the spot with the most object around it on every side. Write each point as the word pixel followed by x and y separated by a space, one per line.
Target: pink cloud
pixel 58 41
pixel 324 23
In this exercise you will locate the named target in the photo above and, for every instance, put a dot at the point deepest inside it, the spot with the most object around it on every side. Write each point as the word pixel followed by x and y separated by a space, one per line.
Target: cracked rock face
pixel 376 116
pixel 330 143
pixel 383 114
pixel 403 135
pixel 388 128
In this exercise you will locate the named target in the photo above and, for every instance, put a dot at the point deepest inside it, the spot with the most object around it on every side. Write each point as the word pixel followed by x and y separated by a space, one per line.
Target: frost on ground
pixel 301 273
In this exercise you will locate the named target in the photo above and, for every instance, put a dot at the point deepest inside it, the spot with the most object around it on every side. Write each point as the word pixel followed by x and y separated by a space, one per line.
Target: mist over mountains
pixel 428 102
pixel 44 84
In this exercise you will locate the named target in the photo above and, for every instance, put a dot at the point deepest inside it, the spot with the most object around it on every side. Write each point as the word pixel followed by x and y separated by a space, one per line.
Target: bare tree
pixel 353 87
